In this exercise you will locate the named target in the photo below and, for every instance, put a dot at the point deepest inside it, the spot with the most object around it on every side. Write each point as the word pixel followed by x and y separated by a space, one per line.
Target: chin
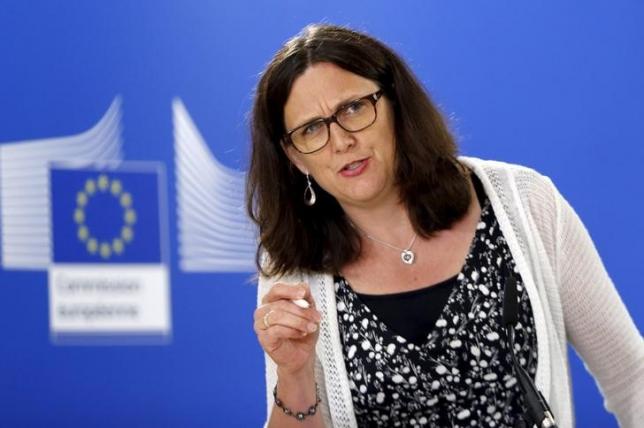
pixel 361 199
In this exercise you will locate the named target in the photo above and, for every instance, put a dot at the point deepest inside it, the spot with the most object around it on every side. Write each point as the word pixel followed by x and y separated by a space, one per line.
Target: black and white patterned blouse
pixel 461 374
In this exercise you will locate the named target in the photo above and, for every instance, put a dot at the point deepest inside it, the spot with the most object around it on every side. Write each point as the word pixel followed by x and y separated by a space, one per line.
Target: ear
pixel 295 157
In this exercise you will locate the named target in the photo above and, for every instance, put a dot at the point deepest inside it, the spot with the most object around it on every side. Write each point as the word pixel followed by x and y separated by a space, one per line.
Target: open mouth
pixel 353 165
pixel 354 168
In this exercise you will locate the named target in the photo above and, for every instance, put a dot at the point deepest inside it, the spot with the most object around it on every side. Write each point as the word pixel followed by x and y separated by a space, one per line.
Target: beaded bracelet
pixel 300 416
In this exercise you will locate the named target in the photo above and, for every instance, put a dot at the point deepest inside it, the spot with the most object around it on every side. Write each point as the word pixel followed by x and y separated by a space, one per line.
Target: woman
pixel 404 252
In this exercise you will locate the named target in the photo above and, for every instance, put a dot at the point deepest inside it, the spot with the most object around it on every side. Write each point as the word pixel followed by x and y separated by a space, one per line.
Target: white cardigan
pixel 573 299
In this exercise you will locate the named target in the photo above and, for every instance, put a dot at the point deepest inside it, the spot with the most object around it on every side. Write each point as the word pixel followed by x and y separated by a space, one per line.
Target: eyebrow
pixel 337 106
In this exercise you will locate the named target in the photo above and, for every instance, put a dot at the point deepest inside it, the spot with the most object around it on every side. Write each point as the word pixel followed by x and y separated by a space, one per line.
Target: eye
pixel 311 129
pixel 354 107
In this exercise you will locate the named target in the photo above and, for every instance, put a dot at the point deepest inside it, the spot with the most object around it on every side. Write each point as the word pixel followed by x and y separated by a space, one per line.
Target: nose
pixel 339 139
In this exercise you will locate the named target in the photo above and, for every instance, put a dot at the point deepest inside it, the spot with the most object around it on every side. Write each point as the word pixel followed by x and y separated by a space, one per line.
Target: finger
pixel 277 317
pixel 305 301
pixel 278 333
pixel 308 295
pixel 282 290
pixel 271 343
pixel 288 306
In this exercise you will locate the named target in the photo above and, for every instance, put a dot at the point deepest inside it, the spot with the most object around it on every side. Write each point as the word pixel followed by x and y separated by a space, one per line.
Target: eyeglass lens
pixel 352 117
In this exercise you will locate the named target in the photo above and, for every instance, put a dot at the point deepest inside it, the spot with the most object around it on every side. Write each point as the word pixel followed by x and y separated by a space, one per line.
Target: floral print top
pixel 461 375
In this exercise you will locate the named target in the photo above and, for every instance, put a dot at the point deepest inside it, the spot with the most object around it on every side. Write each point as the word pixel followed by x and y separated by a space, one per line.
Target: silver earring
pixel 309 193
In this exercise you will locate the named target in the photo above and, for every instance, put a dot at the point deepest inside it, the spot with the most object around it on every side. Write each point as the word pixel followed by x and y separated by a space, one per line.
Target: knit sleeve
pixel 264 285
pixel 597 323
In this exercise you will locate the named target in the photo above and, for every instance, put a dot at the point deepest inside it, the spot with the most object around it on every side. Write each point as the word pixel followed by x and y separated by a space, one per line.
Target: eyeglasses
pixel 353 116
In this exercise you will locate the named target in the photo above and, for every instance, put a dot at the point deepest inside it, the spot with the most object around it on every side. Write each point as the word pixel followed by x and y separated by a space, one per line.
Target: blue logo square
pixel 105 216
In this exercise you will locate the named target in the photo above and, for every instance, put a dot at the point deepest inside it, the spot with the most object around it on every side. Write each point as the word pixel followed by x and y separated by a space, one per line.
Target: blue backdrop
pixel 555 85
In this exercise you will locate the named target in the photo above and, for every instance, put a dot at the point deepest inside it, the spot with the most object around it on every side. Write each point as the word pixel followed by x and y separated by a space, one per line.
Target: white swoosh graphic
pixel 24 186
pixel 215 235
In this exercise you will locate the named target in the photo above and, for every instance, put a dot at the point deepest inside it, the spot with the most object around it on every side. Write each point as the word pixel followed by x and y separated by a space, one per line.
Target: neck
pixel 388 222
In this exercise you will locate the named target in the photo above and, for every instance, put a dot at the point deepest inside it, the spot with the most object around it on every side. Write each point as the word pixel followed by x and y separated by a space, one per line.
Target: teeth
pixel 353 165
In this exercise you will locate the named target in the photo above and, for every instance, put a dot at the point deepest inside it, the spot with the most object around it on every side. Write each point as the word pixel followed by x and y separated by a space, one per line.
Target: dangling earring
pixel 309 193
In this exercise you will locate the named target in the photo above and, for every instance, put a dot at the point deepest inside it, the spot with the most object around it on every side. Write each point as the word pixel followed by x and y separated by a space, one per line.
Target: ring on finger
pixel 267 323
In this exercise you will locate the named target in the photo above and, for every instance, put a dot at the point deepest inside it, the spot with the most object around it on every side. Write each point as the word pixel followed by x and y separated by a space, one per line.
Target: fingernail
pixel 312 327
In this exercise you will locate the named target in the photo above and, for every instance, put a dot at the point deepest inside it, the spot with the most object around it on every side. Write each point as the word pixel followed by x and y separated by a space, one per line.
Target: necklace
pixel 406 254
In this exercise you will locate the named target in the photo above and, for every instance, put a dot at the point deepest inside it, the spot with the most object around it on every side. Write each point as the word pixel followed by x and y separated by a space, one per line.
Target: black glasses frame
pixel 374 97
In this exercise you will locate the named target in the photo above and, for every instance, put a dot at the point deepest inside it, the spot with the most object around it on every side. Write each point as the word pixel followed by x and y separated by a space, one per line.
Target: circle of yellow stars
pixel 116 245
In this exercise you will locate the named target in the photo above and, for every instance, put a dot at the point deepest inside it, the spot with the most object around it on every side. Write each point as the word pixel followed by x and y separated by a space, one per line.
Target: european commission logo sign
pixel 98 225
pixel 109 273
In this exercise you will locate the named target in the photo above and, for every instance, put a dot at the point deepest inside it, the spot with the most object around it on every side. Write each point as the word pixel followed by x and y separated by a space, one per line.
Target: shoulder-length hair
pixel 320 238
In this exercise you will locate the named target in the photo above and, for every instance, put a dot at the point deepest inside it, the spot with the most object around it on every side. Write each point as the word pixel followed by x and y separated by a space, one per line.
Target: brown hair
pixel 320 238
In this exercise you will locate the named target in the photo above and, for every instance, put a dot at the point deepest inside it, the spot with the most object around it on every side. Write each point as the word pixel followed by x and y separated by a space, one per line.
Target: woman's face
pixel 357 168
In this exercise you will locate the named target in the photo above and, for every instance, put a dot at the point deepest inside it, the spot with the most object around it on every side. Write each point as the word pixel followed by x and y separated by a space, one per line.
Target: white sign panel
pixel 109 275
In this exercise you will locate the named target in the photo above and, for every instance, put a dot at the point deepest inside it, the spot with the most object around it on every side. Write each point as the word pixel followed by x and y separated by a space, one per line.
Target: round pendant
pixel 407 257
